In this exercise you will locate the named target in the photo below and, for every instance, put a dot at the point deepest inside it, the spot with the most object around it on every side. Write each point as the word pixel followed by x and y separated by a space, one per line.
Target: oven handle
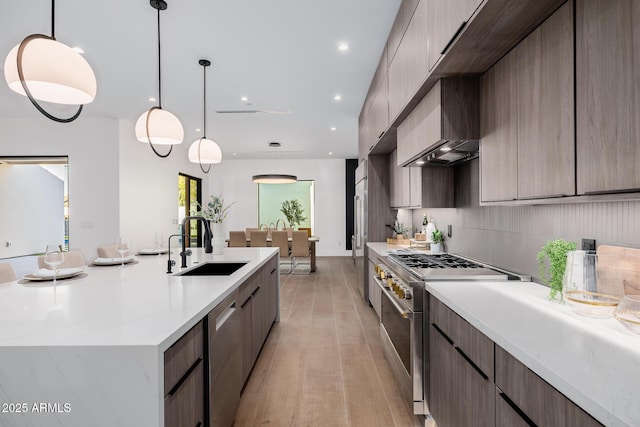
pixel 404 313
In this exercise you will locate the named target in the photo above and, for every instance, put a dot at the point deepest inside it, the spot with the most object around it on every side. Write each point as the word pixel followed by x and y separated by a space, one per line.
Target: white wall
pixel 149 188
pixel 26 190
pixel 92 148
pixel 232 179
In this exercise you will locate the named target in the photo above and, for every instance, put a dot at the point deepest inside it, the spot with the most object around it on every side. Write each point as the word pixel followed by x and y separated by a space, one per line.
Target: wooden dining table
pixel 312 248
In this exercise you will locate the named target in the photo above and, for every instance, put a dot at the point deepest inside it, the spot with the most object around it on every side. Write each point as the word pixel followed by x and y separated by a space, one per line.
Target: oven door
pixel 401 333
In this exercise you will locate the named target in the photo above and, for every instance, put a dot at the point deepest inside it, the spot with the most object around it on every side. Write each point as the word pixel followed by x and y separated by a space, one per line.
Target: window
pixel 189 194
pixel 271 196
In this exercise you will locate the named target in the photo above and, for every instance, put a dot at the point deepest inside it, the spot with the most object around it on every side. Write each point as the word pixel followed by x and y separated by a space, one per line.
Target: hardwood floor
pixel 323 364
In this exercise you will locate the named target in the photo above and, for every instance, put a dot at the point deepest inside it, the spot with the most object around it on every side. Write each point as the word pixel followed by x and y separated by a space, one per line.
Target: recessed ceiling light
pixel 333 128
pixel 342 46
pixel 445 149
pixel 78 49
pixel 152 99
pixel 244 99
pixel 197 129
pixel 420 162
pixel 331 153
pixel 337 98
pixel 235 154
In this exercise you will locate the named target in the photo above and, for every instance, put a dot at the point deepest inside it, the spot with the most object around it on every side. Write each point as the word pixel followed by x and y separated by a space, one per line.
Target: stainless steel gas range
pixel 404 311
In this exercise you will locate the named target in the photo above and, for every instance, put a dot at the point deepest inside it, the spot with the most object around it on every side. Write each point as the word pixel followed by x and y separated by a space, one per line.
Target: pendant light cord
pixel 53 19
pixel 159 66
pixel 204 101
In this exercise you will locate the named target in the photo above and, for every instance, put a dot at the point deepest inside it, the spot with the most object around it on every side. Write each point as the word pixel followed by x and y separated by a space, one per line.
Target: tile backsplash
pixel 511 236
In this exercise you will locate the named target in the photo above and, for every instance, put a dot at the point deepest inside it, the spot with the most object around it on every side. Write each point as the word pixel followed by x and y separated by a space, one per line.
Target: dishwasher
pixel 225 358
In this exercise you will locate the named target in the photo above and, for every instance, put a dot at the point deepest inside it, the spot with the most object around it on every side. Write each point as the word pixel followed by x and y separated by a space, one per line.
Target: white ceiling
pixel 281 54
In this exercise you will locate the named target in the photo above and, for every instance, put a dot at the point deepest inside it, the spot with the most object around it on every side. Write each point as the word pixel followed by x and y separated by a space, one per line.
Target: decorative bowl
pixel 628 313
pixel 591 304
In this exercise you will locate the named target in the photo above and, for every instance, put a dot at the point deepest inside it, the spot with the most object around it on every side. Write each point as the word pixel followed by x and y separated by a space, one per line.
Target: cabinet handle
pixel 199 424
pixel 256 291
pixel 515 407
pixel 273 271
pixel 184 377
pixel 220 320
pixel 381 133
pixel 245 303
pixel 464 23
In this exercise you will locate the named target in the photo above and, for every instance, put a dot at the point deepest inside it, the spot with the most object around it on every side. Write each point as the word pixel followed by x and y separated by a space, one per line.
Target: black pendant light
pixel 159 126
pixel 205 150
pixel 274 178
pixel 44 69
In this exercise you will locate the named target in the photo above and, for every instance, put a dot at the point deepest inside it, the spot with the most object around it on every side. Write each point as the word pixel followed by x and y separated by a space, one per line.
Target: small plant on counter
pixel 214 210
pixel 398 228
pixel 555 251
pixel 437 236
pixel 292 209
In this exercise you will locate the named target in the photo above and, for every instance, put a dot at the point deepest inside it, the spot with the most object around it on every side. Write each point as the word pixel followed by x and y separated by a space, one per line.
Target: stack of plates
pixel 153 251
pixel 113 261
pixel 44 274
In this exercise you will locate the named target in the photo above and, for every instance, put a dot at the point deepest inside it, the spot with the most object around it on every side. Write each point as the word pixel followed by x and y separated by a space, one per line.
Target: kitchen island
pixel 90 351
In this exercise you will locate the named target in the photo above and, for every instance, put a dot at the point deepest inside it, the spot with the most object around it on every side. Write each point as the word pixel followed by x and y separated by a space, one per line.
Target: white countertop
pixel 594 362
pixel 139 304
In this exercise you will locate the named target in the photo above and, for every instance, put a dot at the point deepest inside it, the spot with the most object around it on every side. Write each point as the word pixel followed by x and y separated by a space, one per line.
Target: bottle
pixel 429 229
pixel 424 224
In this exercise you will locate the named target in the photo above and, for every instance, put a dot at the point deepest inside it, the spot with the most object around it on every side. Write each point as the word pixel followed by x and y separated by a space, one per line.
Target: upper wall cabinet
pixel 546 147
pixel 410 64
pixel 530 154
pixel 374 117
pixel 405 12
pixel 449 112
pixel 447 19
pixel 608 95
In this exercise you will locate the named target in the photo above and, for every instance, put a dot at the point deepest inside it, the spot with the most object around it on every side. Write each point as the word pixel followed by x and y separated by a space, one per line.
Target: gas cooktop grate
pixel 434 261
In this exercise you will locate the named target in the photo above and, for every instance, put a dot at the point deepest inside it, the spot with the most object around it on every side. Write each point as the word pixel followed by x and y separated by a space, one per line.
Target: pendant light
pixel 205 150
pixel 274 178
pixel 159 126
pixel 43 69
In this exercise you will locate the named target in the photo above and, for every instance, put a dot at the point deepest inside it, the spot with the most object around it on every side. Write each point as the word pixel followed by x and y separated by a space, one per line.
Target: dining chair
pixel 237 239
pixel 280 240
pixel 249 230
pixel 7 274
pixel 300 249
pixel 108 251
pixel 258 239
pixel 71 259
pixel 289 230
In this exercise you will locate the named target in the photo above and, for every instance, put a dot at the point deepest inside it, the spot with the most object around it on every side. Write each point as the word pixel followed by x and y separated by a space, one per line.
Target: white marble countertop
pixel 139 304
pixel 594 362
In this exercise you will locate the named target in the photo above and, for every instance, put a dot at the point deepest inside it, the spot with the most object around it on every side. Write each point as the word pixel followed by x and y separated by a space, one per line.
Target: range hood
pixel 448 153
pixel 444 128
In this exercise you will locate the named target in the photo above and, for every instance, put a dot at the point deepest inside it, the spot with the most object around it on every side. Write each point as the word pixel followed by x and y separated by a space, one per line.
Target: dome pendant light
pixel 157 125
pixel 205 150
pixel 43 69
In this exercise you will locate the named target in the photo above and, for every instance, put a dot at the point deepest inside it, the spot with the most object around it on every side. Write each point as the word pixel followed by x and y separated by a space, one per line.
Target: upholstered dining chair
pixel 289 230
pixel 279 239
pixel 71 259
pixel 249 230
pixel 7 274
pixel 300 249
pixel 258 239
pixel 237 239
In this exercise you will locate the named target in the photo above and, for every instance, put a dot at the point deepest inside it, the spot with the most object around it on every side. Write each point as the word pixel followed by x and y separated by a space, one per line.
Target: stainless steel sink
pixel 214 269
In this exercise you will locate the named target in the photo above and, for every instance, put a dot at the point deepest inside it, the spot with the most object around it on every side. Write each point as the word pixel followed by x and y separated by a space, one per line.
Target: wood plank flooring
pixel 323 364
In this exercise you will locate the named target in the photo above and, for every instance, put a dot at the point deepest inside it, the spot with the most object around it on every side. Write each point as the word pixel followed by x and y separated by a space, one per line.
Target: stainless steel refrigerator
pixel 360 229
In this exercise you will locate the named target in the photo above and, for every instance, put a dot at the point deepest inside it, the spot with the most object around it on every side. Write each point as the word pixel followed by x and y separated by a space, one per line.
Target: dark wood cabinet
pixel 184 380
pixel 534 397
pixel 460 393
pixel 607 95
pixel 527 147
pixel 506 413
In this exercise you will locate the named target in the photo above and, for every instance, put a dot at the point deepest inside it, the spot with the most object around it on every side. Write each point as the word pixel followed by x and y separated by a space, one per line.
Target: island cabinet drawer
pixel 535 400
pixel 249 287
pixel 182 356
pixel 185 406
pixel 473 343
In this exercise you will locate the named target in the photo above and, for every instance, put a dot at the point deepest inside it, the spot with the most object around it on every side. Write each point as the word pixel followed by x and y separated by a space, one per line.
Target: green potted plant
pixel 437 238
pixel 554 253
pixel 398 229
pixel 293 211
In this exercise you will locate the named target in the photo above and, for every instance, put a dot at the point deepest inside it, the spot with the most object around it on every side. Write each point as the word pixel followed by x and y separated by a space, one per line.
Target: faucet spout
pixel 184 253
